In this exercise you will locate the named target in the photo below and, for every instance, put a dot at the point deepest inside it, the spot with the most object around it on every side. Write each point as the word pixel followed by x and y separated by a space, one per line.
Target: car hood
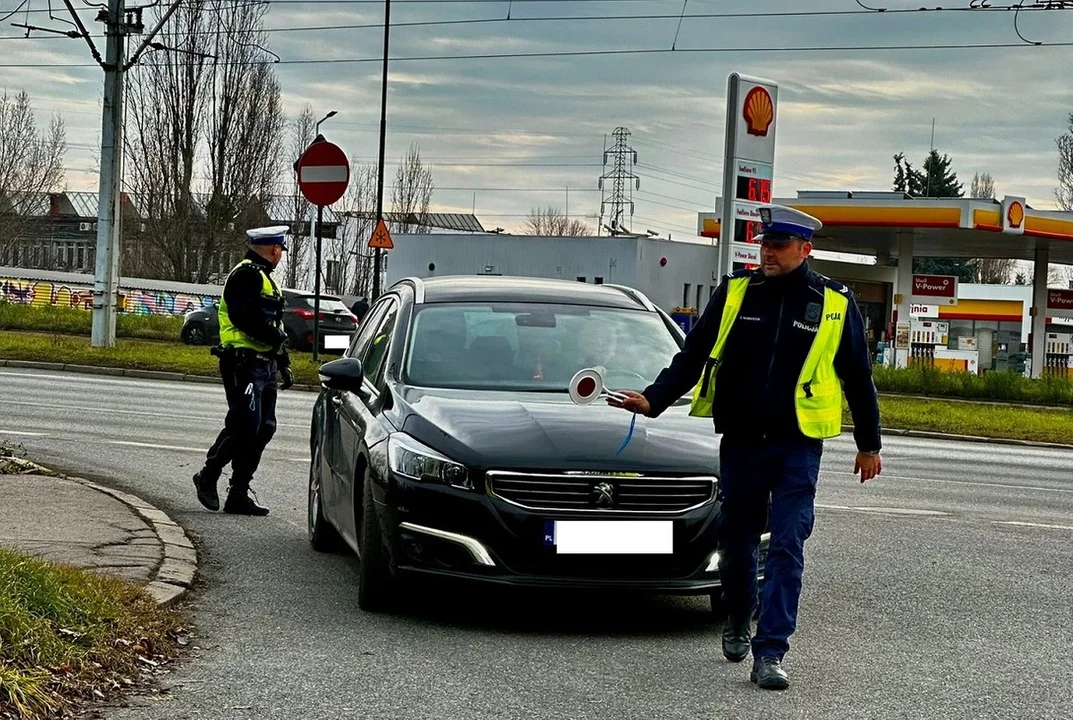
pixel 546 431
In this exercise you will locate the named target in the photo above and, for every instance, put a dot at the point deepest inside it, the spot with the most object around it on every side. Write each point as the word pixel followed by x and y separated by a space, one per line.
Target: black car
pixel 337 322
pixel 445 443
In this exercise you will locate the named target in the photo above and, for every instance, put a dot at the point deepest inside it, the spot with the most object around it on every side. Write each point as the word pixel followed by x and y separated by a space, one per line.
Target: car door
pixel 335 453
pixel 358 413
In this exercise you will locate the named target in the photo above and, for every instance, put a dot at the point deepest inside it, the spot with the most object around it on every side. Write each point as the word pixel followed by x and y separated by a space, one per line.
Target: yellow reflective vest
pixel 231 336
pixel 818 397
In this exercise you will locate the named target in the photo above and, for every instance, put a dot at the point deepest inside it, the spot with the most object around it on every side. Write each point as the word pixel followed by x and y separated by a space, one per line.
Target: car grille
pixel 601 492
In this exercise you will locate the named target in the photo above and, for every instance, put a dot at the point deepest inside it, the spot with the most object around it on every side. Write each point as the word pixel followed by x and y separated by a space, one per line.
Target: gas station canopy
pixel 873 223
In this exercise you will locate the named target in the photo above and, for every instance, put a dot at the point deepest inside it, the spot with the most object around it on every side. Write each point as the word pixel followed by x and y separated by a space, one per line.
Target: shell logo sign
pixel 1013 215
pixel 759 111
pixel 1016 214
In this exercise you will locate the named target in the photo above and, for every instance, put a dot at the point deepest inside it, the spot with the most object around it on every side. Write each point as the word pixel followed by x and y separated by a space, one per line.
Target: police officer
pixel 768 360
pixel 251 352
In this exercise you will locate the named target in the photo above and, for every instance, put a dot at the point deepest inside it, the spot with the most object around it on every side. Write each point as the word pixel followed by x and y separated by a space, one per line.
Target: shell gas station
pixel 909 318
pixel 934 319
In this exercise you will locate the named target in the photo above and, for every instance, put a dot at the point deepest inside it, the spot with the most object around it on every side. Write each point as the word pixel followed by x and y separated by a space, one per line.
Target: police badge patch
pixel 812 312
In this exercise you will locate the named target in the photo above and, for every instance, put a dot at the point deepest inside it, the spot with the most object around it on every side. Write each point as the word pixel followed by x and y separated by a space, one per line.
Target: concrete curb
pixel 125 372
pixel 966 438
pixel 175 575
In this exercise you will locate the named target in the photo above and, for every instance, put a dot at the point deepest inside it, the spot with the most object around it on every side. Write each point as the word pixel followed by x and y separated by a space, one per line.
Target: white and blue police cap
pixel 275 235
pixel 779 223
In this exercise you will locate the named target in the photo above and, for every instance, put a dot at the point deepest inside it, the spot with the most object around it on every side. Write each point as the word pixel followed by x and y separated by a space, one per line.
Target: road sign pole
pixel 316 288
pixel 383 137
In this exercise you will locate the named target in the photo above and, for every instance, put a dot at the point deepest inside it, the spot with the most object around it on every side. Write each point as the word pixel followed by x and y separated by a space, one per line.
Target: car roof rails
pixel 635 294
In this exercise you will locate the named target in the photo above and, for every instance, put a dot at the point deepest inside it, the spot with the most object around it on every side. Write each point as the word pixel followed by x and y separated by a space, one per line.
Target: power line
pixel 581 18
pixel 613 53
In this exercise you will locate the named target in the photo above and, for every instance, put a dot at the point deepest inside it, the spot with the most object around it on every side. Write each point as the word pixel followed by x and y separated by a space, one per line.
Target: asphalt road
pixel 942 589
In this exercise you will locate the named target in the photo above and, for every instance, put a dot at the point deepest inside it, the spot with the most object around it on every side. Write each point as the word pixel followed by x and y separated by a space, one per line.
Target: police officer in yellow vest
pixel 251 352
pixel 768 360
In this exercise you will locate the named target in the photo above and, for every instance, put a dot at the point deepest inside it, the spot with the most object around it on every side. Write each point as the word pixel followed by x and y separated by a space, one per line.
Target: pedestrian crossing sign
pixel 381 238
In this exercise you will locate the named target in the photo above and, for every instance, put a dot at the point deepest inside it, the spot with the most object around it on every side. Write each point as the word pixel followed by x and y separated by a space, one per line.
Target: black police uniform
pixel 767 465
pixel 250 384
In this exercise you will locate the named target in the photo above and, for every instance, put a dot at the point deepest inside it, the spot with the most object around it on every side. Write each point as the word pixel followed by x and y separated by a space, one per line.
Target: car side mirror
pixel 342 374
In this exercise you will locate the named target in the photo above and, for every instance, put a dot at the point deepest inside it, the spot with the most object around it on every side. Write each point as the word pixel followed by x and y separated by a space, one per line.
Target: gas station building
pixel 969 327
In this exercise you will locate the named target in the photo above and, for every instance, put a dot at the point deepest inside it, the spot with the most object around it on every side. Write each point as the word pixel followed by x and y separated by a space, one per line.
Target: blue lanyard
pixel 629 435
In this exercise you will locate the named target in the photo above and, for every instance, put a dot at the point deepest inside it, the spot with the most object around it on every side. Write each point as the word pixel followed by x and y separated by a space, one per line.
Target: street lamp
pixel 317 127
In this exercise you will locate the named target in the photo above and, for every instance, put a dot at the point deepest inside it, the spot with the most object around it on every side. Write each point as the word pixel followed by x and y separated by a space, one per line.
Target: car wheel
pixel 375 583
pixel 194 334
pixel 322 536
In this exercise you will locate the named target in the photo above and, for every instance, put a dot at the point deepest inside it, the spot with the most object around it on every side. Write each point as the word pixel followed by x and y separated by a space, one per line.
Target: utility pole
pixel 383 139
pixel 119 22
pixel 106 275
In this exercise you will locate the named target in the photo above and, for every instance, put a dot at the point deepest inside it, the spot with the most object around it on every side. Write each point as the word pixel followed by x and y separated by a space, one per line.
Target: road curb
pixel 175 575
pixel 967 438
pixel 128 372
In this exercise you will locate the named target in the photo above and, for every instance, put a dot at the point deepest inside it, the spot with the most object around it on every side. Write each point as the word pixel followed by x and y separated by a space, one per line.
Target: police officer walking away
pixel 768 360
pixel 251 352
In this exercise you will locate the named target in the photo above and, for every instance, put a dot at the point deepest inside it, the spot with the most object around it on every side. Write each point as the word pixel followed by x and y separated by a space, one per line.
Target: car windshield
pixel 534 347
pixel 326 304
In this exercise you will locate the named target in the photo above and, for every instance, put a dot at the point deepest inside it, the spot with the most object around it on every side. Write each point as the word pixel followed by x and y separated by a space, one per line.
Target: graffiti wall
pixel 142 302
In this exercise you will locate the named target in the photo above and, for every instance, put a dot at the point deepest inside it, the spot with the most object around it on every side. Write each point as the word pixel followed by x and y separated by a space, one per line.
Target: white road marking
pixel 299 460
pixel 1007 486
pixel 885 510
pixel 1035 525
pixel 153 445
pixel 118 411
pixel 23 432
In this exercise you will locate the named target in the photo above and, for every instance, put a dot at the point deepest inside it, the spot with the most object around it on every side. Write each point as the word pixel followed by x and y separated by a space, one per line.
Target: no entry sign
pixel 323 173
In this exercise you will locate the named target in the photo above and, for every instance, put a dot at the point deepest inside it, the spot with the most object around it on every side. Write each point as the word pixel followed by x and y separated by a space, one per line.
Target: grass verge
pixel 132 354
pixel 1024 422
pixel 68 636
pixel 74 321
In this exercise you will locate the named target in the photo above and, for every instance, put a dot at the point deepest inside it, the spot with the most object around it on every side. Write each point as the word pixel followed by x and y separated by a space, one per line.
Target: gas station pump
pixel 1059 355
pixel 924 337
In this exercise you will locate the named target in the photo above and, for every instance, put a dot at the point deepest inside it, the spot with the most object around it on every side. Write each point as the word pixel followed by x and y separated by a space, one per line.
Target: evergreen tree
pixel 936 180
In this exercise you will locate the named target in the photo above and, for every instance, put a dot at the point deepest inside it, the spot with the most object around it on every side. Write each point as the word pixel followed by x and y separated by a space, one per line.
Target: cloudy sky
pixel 505 134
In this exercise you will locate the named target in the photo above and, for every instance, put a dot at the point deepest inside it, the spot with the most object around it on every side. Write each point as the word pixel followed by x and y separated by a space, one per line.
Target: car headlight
pixel 411 459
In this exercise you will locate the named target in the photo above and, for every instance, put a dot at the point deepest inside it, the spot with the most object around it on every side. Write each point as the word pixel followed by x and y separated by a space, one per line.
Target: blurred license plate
pixel 610 537
pixel 336 342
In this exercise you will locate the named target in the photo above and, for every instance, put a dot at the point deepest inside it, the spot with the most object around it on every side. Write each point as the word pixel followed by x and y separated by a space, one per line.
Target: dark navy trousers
pixel 250 386
pixel 758 477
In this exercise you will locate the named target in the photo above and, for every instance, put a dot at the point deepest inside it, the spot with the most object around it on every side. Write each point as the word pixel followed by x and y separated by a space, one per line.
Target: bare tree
pixel 412 192
pixel 244 131
pixel 355 228
pixel 204 138
pixel 983 186
pixel 31 164
pixel 302 130
pixel 166 103
pixel 1063 194
pixel 551 221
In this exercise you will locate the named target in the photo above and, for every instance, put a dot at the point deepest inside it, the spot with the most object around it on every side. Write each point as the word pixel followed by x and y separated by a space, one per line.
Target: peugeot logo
pixel 603 495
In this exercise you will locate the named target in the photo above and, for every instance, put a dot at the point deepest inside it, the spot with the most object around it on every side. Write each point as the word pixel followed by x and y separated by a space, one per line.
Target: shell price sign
pixel 748 165
pixel 935 290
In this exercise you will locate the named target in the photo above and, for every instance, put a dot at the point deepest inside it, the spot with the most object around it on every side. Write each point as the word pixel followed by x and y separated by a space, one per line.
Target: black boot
pixel 205 482
pixel 240 503
pixel 736 638
pixel 768 674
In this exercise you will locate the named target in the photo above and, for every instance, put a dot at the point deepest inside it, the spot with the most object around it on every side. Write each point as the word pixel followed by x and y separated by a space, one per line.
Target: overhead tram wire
pixel 581 18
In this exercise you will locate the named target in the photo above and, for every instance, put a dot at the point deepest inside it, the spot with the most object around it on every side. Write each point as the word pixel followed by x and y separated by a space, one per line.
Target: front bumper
pixel 469 535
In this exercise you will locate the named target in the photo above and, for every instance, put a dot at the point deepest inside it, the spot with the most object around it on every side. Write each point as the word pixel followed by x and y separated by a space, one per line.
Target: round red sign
pixel 323 173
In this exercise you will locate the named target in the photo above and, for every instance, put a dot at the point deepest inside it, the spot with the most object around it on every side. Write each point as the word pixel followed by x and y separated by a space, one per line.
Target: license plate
pixel 336 342
pixel 610 537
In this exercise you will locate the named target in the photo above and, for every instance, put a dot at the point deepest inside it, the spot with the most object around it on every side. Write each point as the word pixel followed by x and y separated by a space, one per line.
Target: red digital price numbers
pixel 753 189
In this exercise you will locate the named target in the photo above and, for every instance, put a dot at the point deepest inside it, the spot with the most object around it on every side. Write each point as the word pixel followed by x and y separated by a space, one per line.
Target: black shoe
pixel 736 637
pixel 206 490
pixel 768 674
pixel 240 503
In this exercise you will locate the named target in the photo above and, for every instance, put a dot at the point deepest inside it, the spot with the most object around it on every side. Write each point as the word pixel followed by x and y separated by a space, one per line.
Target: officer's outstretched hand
pixel 288 379
pixel 635 401
pixel 868 466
